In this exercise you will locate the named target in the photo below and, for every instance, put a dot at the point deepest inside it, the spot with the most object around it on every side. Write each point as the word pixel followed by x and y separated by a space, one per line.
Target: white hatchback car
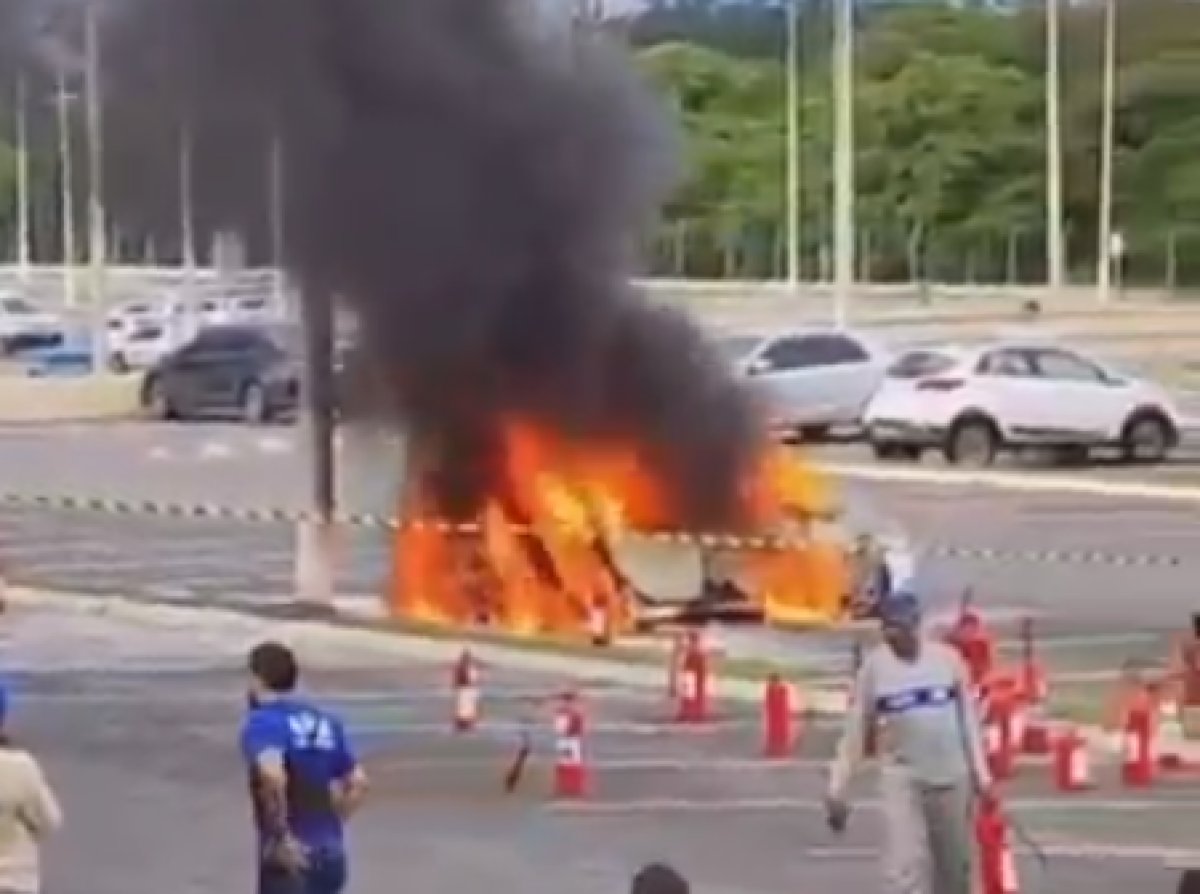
pixel 972 402
pixel 810 380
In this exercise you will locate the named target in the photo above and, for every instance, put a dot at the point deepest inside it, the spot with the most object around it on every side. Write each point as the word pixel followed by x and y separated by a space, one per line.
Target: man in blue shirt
pixel 305 781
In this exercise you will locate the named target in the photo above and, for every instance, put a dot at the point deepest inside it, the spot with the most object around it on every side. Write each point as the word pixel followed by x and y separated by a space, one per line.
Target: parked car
pixel 244 372
pixel 812 381
pixel 23 326
pixel 974 402
pixel 239 310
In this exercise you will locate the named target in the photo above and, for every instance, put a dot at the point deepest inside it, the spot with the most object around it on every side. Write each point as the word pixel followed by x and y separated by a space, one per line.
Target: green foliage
pixel 950 139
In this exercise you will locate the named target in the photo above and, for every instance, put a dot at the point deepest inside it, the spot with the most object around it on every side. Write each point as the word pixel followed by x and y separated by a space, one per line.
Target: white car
pixel 810 380
pixel 973 402
pixel 24 326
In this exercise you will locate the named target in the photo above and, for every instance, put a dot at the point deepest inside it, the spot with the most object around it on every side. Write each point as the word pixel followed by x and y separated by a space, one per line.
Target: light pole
pixel 843 171
pixel 66 167
pixel 24 250
pixel 1104 253
pixel 275 213
pixel 794 272
pixel 97 247
pixel 1054 199
pixel 187 225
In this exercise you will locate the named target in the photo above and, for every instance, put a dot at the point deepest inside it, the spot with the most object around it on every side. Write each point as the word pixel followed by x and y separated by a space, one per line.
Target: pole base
pixel 315 563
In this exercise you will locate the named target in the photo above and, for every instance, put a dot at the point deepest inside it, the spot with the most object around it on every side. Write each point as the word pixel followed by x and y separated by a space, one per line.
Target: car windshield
pixel 17 306
pixel 918 364
pixel 738 347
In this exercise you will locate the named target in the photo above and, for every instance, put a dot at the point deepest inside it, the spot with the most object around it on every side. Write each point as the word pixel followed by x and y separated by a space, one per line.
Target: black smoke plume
pixel 471 189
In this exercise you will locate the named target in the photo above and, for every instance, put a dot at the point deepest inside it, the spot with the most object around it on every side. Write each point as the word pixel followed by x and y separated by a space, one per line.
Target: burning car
pixel 574 534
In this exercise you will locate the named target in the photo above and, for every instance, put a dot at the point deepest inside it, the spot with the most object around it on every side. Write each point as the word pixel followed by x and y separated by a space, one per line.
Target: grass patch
pixel 1086 703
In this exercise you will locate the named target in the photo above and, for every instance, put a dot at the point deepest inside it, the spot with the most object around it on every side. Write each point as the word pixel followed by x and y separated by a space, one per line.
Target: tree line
pixel 950 124
pixel 950 161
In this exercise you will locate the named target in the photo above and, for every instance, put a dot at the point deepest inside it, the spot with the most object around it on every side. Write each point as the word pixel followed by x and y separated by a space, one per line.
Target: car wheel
pixel 254 404
pixel 973 443
pixel 888 451
pixel 1147 438
pixel 157 402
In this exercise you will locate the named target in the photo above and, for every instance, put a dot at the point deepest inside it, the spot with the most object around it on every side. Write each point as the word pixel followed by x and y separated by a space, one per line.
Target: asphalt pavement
pixel 135 718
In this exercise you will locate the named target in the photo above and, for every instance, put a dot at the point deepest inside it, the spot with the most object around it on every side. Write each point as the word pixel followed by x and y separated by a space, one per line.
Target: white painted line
pixel 768 805
pixel 1176 858
pixel 274 446
pixel 215 450
pixel 1015 481
pixel 160 454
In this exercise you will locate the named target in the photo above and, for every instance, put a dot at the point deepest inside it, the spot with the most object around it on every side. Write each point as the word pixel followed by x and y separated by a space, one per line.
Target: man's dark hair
pixel 275 666
pixel 658 878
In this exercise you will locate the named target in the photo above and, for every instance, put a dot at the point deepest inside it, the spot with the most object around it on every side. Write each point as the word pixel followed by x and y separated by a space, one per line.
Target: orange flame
pixel 536 561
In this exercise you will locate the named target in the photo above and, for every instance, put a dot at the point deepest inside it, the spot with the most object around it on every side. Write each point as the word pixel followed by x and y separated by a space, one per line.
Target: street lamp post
pixel 187 225
pixel 794 272
pixel 66 166
pixel 24 250
pixel 97 247
pixel 843 183
pixel 1104 254
pixel 1054 198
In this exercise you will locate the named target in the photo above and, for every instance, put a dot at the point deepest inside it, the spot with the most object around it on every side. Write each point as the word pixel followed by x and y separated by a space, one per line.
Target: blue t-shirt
pixel 316 753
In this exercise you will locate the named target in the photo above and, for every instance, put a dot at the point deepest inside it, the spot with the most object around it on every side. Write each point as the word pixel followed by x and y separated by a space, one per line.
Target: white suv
pixel 973 402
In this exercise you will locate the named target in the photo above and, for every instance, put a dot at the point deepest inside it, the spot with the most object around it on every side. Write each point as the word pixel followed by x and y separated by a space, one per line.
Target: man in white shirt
pixel 29 812
pixel 913 698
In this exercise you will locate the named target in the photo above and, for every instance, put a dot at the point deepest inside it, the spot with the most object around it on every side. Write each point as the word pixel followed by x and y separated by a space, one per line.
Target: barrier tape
pixel 211 512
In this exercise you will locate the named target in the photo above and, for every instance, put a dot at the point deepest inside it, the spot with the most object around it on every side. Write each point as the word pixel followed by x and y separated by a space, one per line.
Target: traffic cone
pixel 1138 742
pixel 570 771
pixel 465 683
pixel 1072 763
pixel 694 684
pixel 1035 691
pixel 779 735
pixel 998 728
pixel 998 865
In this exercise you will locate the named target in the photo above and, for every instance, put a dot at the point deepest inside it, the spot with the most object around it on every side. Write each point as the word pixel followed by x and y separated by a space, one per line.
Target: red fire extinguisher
pixel 1137 750
pixel 600 621
pixel 778 731
pixel 570 772
pixel 693 683
pixel 998 865
pixel 465 684
pixel 974 642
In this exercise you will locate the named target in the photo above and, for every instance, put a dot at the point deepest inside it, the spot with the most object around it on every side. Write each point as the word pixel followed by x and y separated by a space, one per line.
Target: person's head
pixel 659 878
pixel 900 623
pixel 273 671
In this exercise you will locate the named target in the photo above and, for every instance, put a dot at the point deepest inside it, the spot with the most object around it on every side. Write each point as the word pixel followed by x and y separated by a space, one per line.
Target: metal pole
pixel 843 183
pixel 24 249
pixel 1054 198
pixel 97 248
pixel 794 272
pixel 316 545
pixel 1108 114
pixel 187 226
pixel 67 190
pixel 275 210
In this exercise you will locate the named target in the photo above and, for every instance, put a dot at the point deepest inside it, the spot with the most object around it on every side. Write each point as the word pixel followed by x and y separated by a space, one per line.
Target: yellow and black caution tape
pixel 213 512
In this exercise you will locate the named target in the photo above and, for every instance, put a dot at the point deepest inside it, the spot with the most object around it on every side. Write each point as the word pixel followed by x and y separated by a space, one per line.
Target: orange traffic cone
pixel 465 683
pixel 570 771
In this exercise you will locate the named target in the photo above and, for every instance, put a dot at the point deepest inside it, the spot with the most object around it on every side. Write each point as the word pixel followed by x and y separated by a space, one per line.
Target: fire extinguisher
pixel 999 866
pixel 693 683
pixel 778 732
pixel 600 622
pixel 1072 764
pixel 1137 751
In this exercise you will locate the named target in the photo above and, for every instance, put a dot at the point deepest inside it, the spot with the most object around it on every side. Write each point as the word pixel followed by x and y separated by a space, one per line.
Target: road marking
pixel 768 805
pixel 1080 850
pixel 215 450
pixel 1016 481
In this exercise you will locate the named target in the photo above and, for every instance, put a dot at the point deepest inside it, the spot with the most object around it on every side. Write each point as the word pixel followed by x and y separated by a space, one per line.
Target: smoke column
pixel 473 193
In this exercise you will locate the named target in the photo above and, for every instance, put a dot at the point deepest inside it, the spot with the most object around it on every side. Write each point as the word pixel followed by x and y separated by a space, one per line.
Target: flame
pixel 538 558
